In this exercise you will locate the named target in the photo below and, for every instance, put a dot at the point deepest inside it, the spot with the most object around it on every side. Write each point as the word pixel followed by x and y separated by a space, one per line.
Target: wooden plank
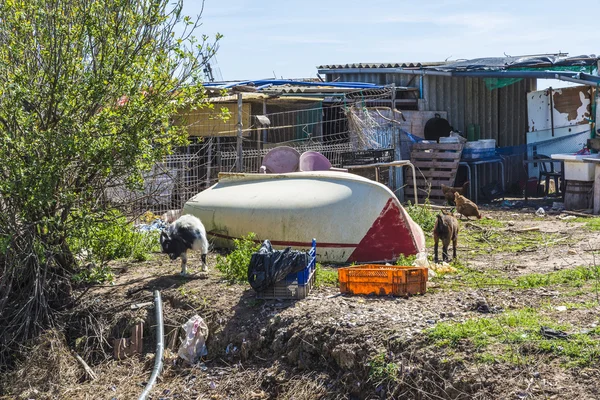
pixel 434 182
pixel 433 193
pixel 435 164
pixel 438 146
pixel 427 154
pixel 437 183
pixel 422 155
pixel 435 174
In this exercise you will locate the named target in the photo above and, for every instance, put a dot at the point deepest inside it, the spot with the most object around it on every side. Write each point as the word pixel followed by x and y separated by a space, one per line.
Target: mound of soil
pixel 325 346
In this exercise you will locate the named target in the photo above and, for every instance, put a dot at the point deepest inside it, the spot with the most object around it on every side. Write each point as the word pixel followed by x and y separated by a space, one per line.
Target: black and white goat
pixel 186 233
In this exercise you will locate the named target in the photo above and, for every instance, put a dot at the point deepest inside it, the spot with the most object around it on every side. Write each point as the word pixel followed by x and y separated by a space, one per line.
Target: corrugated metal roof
pixel 259 97
pixel 382 65
pixel 503 63
pixel 488 63
pixel 324 89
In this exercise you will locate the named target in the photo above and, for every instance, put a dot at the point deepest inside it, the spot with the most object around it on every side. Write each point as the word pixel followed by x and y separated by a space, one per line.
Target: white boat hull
pixel 353 218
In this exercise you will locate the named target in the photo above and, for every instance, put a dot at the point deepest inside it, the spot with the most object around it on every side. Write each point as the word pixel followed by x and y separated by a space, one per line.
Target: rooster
pixel 466 207
pixel 449 192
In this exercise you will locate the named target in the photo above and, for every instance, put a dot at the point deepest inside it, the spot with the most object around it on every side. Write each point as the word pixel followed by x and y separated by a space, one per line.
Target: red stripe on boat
pixel 389 236
pixel 295 244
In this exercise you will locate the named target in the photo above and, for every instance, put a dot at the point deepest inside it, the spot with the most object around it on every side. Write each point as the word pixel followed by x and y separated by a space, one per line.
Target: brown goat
pixel 446 228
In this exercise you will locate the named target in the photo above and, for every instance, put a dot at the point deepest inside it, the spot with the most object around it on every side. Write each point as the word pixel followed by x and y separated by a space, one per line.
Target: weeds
pixel 521 328
pixel 326 277
pixel 96 242
pixel 592 224
pixel 485 241
pixel 95 275
pixel 235 265
pixel 406 260
pixel 423 215
pixel 380 370
pixel 575 277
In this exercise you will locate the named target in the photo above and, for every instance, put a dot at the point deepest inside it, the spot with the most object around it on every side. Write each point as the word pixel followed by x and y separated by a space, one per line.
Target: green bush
pixel 423 215
pixel 95 275
pixel 235 265
pixel 99 240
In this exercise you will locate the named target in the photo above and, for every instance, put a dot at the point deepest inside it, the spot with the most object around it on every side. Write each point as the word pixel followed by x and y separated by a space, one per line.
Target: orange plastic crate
pixel 383 280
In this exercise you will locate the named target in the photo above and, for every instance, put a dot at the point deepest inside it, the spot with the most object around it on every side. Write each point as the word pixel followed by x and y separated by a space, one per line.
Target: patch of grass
pixel 490 240
pixel 487 222
pixel 486 358
pixel 577 306
pixel 235 265
pixel 575 277
pixel 522 328
pixel 381 370
pixel 423 215
pixel 96 275
pixel 406 260
pixel 592 224
pixel 326 276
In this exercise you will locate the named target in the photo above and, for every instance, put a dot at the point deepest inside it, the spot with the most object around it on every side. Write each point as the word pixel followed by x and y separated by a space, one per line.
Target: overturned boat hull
pixel 353 218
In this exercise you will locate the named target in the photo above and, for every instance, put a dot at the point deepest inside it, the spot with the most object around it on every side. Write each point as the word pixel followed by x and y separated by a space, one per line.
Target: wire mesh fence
pixel 331 128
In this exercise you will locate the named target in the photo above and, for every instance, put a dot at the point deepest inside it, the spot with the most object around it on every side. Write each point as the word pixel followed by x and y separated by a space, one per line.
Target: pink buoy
pixel 281 159
pixel 314 161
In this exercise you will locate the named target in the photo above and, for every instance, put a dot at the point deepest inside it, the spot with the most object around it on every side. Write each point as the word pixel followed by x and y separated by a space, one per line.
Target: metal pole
pixel 238 161
pixel 209 163
pixel 264 131
pixel 394 137
pixel 551 110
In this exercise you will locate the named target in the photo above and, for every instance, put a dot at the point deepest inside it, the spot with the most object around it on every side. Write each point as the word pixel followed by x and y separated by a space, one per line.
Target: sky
pixel 290 38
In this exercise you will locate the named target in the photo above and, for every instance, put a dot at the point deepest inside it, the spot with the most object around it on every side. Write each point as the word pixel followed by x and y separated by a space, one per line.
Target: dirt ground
pixel 327 345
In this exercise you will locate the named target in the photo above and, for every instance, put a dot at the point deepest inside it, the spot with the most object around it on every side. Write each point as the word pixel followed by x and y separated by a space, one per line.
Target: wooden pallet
pixel 435 164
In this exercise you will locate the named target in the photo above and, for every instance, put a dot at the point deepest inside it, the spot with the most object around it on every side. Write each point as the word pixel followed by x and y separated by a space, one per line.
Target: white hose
pixel 160 346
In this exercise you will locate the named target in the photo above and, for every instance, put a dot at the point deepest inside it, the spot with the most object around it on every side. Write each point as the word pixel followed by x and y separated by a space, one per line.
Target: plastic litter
pixel 483 307
pixel 540 212
pixel 550 333
pixel 231 349
pixel 422 261
pixel 156 225
pixel 194 344
pixel 566 217
pixel 443 268
pixel 268 266
pixel 585 151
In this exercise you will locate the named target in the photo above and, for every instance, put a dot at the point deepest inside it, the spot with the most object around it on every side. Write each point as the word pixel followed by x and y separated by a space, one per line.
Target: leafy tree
pixel 87 92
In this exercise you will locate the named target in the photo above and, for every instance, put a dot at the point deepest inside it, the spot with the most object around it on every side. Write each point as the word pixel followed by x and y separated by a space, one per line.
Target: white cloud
pixel 477 21
pixel 301 39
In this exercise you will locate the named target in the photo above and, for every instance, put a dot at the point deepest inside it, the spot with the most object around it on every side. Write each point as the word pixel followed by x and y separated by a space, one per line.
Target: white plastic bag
pixel 194 344
pixel 422 261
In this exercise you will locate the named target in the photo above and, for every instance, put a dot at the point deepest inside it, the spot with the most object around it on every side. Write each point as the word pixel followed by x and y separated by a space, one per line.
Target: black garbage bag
pixel 268 266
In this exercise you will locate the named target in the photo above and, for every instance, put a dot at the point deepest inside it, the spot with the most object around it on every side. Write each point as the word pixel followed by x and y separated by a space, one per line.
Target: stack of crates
pixel 296 285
